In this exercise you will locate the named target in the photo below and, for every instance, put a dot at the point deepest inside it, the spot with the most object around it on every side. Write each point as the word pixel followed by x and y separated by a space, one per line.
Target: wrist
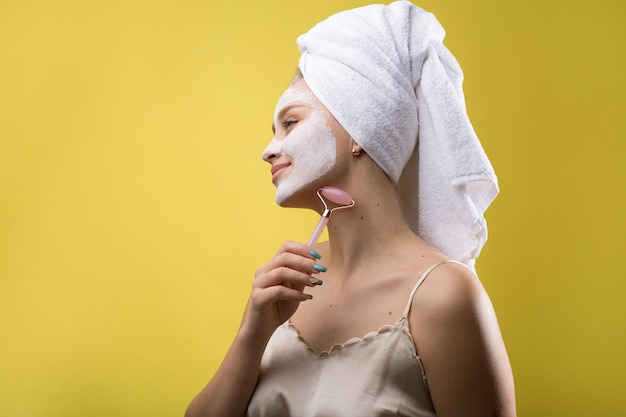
pixel 253 339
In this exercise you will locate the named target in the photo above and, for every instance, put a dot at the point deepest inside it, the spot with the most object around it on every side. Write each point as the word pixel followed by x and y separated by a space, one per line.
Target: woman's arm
pixel 230 389
pixel 276 294
pixel 459 343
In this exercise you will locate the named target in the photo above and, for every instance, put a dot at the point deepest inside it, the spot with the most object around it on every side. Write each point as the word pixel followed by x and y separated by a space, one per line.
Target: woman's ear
pixel 356 148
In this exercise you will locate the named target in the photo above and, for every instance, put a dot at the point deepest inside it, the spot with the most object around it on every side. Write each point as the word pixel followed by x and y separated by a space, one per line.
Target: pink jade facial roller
pixel 335 195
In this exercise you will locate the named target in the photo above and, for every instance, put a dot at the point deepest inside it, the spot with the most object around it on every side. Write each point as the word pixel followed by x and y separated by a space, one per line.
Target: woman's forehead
pixel 293 94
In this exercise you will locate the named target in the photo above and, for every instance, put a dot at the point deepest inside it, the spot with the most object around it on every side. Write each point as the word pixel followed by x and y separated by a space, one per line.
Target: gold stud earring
pixel 355 152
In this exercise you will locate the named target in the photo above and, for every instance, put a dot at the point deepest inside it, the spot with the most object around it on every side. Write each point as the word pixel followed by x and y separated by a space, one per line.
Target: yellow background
pixel 134 207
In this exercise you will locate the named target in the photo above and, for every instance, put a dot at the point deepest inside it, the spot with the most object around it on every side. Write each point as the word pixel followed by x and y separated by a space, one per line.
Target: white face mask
pixel 311 145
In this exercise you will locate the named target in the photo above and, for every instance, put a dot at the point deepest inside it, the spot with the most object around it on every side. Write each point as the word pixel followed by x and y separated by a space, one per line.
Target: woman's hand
pixel 278 289
pixel 277 292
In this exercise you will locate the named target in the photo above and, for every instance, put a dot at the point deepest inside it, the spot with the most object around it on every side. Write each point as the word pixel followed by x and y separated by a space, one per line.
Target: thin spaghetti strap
pixel 421 279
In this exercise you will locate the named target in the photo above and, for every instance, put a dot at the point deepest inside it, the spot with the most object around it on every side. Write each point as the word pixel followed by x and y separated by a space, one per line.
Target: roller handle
pixel 318 231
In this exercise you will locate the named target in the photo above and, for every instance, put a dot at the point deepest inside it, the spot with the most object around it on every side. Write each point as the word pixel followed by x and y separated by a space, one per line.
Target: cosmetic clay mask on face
pixel 310 145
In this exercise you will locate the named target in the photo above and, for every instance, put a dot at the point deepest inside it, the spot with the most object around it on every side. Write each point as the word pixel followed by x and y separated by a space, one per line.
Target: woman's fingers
pixel 294 255
pixel 283 276
pixel 289 269
pixel 290 261
pixel 295 247
pixel 267 296
pixel 280 284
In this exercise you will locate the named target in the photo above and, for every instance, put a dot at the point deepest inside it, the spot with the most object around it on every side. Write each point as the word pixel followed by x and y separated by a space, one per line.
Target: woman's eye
pixel 288 123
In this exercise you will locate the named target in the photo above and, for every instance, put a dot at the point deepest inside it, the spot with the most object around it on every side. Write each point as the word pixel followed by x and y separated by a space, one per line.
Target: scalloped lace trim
pixel 387 328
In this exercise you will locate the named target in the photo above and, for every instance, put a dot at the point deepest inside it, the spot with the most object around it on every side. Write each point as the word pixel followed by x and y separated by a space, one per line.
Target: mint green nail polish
pixel 315 254
pixel 320 268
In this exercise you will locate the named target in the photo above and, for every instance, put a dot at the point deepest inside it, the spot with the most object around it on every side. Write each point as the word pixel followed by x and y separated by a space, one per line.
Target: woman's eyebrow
pixel 284 110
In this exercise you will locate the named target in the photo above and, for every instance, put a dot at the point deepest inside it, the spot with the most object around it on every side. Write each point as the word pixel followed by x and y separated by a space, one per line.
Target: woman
pixel 399 326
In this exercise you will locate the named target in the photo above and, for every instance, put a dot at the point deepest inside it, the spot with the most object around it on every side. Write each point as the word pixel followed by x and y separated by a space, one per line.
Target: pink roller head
pixel 336 195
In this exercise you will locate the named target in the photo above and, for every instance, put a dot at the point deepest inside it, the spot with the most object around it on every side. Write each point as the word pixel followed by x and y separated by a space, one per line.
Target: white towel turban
pixel 385 75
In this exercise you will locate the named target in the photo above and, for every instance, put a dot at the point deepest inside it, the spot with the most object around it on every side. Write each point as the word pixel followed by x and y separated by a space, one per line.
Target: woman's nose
pixel 269 157
pixel 273 150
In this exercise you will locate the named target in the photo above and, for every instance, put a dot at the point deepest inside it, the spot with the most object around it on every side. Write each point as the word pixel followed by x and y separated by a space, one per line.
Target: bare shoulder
pixel 458 340
pixel 449 290
pixel 450 305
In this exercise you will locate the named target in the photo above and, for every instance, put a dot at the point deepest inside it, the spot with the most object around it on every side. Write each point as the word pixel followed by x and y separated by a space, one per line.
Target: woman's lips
pixel 277 170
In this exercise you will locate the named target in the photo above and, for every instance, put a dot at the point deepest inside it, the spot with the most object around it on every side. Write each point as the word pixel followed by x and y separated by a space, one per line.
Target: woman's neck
pixel 369 233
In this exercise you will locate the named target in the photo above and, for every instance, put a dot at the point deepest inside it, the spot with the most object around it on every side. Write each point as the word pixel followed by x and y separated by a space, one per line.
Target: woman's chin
pixel 292 201
pixel 306 197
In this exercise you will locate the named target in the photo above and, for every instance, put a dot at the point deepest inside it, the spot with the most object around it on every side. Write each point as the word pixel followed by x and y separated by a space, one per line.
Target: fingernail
pixel 306 297
pixel 316 281
pixel 320 268
pixel 315 254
